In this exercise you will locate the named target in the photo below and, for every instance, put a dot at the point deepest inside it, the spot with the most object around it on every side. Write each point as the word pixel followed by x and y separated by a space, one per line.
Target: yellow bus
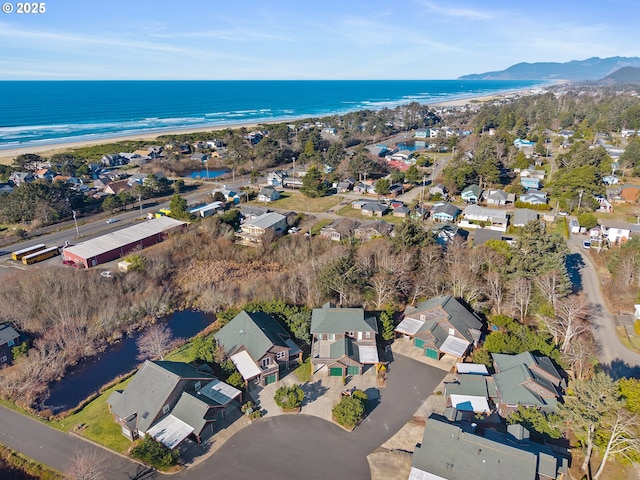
pixel 27 251
pixel 41 255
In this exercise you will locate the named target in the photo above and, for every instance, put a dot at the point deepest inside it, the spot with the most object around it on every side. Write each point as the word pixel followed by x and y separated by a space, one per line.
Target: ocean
pixel 48 112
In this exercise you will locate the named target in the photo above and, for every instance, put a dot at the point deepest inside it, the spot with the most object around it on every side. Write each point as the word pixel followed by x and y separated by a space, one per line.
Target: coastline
pixel 7 156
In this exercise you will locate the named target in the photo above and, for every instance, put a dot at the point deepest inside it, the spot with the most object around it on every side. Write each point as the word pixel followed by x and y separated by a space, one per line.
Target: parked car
pixel 586 245
pixel 112 220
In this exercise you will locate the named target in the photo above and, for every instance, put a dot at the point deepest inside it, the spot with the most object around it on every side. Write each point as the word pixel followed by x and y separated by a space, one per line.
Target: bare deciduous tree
pixel 573 314
pixel 154 342
pixel 495 290
pixel 622 429
pixel 519 296
pixel 87 465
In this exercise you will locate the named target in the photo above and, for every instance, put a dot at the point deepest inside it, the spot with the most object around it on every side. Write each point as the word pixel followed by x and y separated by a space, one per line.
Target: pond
pixel 92 373
pixel 203 173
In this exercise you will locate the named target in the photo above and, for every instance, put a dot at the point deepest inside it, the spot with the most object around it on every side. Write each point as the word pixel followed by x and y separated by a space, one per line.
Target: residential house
pixel 497 198
pixel 18 178
pixel 215 143
pixel 119 186
pixel 358 204
pixel 532 172
pixel 475 216
pixel 525 379
pixel 483 235
pixel 616 232
pixel 252 232
pixel 444 212
pixel 276 178
pixel 249 212
pixel 344 340
pixel 574 226
pixel 268 195
pixel 45 174
pixel 344 185
pixel 200 157
pixel 438 189
pixel 9 337
pixel 370 230
pixel 611 180
pixel 292 182
pixel 452 451
pixel 340 229
pixel 471 394
pixel 625 133
pixel 422 133
pixel 471 194
pixel 374 209
pixel 259 347
pixel 230 195
pixel 530 183
pixel 566 134
pixel 420 213
pixel 534 197
pixel 114 160
pixel 439 326
pixel 448 232
pixel 137 179
pixel 522 216
pixel 401 211
pixel 171 401
pixel 519 143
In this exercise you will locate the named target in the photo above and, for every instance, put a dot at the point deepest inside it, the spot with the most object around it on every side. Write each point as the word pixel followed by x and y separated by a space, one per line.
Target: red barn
pixel 117 244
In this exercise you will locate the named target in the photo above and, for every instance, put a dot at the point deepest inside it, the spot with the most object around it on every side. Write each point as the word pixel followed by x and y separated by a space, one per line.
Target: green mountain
pixel 625 75
pixel 576 70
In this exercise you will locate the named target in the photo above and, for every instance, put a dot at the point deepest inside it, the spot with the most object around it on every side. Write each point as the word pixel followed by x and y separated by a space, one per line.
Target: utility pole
pixel 140 200
pixel 580 199
pixel 206 165
pixel 76 222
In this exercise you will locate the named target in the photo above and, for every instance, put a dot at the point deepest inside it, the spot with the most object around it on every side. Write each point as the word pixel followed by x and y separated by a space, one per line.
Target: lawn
pixel 315 230
pixel 349 211
pixel 303 372
pixel 182 354
pixel 96 423
pixel 297 202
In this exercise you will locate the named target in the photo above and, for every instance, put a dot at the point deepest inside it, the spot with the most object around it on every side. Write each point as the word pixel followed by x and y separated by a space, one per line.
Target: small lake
pixel 411 145
pixel 211 174
pixel 92 373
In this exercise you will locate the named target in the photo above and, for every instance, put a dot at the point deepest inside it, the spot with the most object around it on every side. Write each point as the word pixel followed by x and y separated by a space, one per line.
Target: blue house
pixel 530 183
pixel 444 212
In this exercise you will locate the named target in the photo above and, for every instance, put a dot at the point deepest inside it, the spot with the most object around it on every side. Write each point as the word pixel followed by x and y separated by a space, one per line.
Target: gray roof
pixel 449 452
pixel 455 313
pixel 191 410
pixel 267 191
pixel 471 384
pixel 374 207
pixel 150 389
pixel 330 319
pixel 256 332
pixel 474 189
pixel 7 333
pixel 126 236
pixel 503 362
pixel 522 216
pixel 267 220
pixel 482 235
pixel 446 208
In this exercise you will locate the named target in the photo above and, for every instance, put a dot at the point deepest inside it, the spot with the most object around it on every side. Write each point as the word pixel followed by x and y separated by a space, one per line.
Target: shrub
pixel 289 398
pixel 155 454
pixel 251 410
pixel 235 380
pixel 348 412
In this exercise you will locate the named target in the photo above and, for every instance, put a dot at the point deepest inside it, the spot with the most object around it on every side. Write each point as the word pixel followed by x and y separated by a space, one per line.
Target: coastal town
pixel 418 292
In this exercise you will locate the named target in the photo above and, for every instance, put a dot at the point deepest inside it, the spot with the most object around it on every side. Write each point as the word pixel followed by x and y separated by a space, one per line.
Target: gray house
pixel 344 340
pixel 171 401
pixel 9 337
pixel 444 212
pixel 440 325
pixel 340 229
pixel 252 232
pixel 455 452
pixel 268 195
pixel 258 346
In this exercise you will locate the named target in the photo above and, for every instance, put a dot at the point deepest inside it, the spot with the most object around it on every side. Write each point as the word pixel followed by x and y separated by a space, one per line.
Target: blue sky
pixel 331 39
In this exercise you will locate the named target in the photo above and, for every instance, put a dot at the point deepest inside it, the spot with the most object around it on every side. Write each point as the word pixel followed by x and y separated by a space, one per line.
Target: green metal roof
pixel 330 319
pixel 257 332
pixel 192 411
pixel 457 315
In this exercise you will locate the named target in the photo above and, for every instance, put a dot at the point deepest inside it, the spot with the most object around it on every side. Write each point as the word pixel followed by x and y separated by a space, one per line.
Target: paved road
pixel 616 359
pixel 296 446
pixel 56 449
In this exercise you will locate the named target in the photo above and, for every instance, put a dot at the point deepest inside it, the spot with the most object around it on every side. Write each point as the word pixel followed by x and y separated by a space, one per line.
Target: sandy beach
pixel 7 156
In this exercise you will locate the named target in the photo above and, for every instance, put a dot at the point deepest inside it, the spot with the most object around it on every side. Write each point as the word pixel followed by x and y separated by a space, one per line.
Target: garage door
pixel 335 372
pixel 270 378
pixel 431 353
pixel 353 370
pixel 418 342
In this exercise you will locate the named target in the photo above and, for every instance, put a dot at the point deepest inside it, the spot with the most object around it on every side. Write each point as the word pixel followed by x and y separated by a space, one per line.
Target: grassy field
pixel 96 423
pixel 299 203
pixel 349 211
pixel 303 372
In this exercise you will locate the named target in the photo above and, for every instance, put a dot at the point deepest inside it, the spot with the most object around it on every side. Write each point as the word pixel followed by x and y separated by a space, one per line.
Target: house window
pixel 198 385
pixel 350 334
pixel 11 343
pixel 331 337
pixel 452 331
pixel 367 334
pixel 266 362
pixel 281 355
pixel 165 409
pixel 423 317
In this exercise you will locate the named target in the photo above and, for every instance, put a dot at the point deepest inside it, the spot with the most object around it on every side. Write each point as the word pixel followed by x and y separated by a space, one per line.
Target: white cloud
pixel 459 12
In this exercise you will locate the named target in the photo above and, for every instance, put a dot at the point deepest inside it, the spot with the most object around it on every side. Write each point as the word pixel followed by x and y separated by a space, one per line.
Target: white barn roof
pixel 126 236
pixel 219 392
pixel 473 368
pixel 470 403
pixel 454 346
pixel 368 354
pixel 409 326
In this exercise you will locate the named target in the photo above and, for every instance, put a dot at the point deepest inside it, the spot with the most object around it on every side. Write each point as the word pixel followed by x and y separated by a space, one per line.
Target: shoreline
pixel 7 156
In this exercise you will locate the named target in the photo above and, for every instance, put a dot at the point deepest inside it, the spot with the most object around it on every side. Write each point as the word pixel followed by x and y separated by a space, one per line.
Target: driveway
pixel 617 360
pixel 292 446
